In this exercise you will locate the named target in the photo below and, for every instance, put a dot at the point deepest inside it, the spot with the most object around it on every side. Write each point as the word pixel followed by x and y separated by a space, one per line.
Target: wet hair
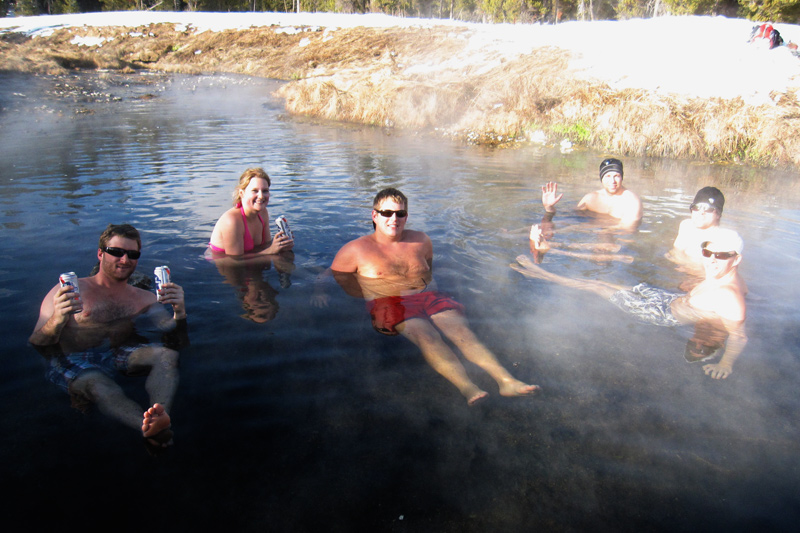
pixel 244 181
pixel 610 165
pixel 711 196
pixel 389 193
pixel 119 230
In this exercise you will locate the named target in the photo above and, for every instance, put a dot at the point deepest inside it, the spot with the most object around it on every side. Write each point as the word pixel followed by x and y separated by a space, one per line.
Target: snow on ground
pixel 693 56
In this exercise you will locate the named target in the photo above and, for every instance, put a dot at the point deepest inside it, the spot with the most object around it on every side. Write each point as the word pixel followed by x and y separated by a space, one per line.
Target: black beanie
pixel 610 165
pixel 711 196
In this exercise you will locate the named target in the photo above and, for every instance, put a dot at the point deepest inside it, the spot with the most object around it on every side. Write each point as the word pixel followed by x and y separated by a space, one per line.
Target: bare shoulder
pixel 631 197
pixel 411 235
pixel 140 297
pixel 730 303
pixel 230 218
pixel 627 193
pixel 588 200
pixel 348 257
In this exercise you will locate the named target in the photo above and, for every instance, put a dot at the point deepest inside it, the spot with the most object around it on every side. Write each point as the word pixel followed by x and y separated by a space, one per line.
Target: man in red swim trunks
pixel 392 268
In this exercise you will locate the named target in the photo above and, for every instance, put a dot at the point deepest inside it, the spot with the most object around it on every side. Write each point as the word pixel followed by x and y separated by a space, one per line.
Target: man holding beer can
pixel 89 339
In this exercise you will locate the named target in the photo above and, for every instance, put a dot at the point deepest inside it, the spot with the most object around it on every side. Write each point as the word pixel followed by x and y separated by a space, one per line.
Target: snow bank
pixel 693 56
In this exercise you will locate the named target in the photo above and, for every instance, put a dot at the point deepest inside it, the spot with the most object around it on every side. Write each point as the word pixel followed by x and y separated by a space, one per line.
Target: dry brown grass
pixel 364 76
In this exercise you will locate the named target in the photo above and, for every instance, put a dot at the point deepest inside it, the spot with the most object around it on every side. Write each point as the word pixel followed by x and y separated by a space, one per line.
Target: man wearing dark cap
pixel 706 211
pixel 717 302
pixel 613 199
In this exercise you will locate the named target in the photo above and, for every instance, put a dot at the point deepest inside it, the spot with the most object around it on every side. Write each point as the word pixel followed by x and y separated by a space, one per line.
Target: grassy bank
pixel 415 78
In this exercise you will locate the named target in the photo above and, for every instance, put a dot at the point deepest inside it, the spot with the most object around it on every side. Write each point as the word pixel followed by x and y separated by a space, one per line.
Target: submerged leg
pixel 454 326
pixel 526 267
pixel 441 357
pixel 602 258
pixel 161 366
pixel 109 398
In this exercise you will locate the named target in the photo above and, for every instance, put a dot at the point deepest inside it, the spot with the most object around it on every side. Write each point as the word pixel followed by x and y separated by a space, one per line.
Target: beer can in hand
pixel 283 225
pixel 70 279
pixel 161 274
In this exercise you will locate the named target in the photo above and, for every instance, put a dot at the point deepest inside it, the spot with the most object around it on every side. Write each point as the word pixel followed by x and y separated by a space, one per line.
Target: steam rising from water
pixel 326 421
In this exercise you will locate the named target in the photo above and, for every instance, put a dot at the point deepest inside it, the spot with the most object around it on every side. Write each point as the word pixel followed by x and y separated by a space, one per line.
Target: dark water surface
pixel 314 422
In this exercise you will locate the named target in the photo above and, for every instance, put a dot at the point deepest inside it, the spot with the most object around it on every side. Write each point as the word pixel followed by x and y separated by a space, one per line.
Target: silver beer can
pixel 70 279
pixel 161 274
pixel 283 225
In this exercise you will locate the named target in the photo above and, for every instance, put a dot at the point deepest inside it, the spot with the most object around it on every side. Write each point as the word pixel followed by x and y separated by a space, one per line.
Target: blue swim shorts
pixel 650 305
pixel 65 369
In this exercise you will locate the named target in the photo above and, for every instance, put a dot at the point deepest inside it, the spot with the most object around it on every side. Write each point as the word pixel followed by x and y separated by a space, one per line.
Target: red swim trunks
pixel 390 311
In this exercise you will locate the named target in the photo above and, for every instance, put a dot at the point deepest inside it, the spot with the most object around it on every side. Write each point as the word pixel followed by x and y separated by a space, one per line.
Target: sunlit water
pixel 314 422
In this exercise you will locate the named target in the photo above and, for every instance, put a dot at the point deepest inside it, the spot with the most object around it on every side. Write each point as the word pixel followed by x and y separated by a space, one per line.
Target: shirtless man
pixel 706 211
pixel 392 268
pixel 613 199
pixel 88 339
pixel 718 300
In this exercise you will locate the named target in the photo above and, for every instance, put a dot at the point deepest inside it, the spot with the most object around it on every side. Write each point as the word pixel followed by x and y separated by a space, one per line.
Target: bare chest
pixel 105 312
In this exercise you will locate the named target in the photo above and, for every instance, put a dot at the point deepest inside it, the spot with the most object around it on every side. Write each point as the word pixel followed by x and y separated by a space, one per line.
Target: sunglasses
pixel 704 208
pixel 722 256
pixel 387 213
pixel 119 252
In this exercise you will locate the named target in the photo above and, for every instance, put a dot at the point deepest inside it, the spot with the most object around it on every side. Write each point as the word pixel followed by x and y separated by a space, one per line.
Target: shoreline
pixel 447 79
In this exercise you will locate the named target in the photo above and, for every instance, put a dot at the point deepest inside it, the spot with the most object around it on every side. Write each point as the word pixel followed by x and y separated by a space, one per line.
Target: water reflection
pixel 257 296
pixel 316 405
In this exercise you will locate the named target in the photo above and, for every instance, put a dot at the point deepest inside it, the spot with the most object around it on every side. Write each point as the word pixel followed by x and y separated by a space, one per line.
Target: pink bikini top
pixel 248 239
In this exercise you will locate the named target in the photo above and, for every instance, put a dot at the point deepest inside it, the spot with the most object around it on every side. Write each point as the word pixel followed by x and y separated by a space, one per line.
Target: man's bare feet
pixel 477 398
pixel 155 426
pixel 528 268
pixel 517 388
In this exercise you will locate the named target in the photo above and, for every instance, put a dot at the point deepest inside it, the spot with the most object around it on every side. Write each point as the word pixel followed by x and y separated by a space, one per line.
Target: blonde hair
pixel 244 181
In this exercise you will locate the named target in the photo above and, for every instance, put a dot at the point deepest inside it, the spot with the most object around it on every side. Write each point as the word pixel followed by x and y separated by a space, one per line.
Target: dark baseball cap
pixel 711 196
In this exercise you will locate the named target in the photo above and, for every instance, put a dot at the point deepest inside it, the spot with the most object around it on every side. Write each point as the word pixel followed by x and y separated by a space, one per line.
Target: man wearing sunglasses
pixel 705 212
pixel 87 341
pixel 718 302
pixel 392 269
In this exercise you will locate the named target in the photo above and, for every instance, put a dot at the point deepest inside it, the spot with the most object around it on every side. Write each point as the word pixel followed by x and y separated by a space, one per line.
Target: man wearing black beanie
pixel 705 211
pixel 613 199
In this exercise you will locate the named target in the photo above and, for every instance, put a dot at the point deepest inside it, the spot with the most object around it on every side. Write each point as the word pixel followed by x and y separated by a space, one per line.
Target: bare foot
pixel 538 241
pixel 156 424
pixel 528 268
pixel 478 397
pixel 518 388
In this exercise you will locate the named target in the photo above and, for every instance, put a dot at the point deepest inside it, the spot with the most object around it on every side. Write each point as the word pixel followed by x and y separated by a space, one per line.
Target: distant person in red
pixel 766 33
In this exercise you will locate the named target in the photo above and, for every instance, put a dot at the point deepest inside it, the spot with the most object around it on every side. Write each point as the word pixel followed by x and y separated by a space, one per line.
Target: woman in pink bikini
pixel 242 247
pixel 244 229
